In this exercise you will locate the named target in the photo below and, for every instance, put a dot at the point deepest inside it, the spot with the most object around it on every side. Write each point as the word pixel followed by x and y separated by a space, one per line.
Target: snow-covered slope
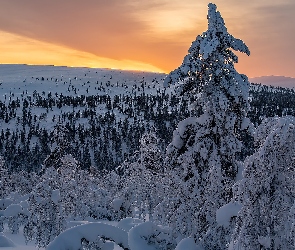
pixel 18 78
pixel 276 81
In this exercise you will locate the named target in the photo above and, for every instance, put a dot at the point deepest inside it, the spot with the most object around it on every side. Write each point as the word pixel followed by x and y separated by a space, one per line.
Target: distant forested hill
pixel 100 114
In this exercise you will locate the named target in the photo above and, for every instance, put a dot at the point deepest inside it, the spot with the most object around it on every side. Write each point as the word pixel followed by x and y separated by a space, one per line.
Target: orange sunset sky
pixel 144 35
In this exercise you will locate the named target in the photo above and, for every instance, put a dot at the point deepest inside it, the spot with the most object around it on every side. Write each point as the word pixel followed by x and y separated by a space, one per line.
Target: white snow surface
pixel 22 81
pixel 226 212
pixel 55 196
pixel 139 235
pixel 4 203
pixel 13 210
pixel 128 223
pixel 188 244
pixel 117 203
pixel 5 242
pixel 71 238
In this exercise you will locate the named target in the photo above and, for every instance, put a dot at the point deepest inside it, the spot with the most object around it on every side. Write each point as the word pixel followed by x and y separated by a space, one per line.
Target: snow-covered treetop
pixel 210 51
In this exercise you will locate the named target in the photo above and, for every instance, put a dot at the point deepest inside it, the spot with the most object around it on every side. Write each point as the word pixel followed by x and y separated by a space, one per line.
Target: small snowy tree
pixel 16 214
pixel 23 182
pixel 141 178
pixel 4 180
pixel 202 154
pixel 61 145
pixel 47 219
pixel 267 191
pixel 150 154
pixel 292 225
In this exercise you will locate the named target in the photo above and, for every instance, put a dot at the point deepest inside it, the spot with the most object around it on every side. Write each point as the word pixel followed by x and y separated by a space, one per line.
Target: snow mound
pixel 13 210
pixel 71 224
pixel 188 244
pixel 226 212
pixel 55 196
pixel 5 242
pixel 117 203
pixel 71 238
pixel 4 203
pixel 139 236
pixel 128 223
pixel 264 241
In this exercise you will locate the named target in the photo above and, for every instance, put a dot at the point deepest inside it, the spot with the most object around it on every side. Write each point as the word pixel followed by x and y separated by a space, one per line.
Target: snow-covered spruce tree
pixel 150 154
pixel 56 197
pixel 202 154
pixel 140 179
pixel 5 188
pixel 16 215
pixel 60 148
pixel 23 182
pixel 46 220
pixel 267 191
pixel 292 225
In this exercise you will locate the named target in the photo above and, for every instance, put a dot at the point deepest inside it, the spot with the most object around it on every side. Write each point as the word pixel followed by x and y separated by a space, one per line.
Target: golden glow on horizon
pixel 15 49
pixel 144 35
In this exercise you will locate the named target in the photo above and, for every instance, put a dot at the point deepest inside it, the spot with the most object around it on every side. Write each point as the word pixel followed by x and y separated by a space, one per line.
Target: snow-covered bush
pixel 151 156
pixel 141 181
pixel 47 216
pixel 267 191
pixel 16 215
pixel 64 193
pixel 292 225
pixel 22 182
pixel 4 180
pixel 148 236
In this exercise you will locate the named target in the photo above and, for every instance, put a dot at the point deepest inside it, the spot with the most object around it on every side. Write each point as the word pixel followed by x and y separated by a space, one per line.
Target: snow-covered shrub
pixel 108 185
pixel 16 215
pixel 292 225
pixel 151 156
pixel 4 180
pixel 47 215
pixel 64 193
pixel 22 182
pixel 141 180
pixel 4 203
pixel 148 236
pixel 267 191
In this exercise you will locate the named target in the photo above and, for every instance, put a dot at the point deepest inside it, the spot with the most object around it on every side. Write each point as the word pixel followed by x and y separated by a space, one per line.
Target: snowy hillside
pixel 101 159
pixel 105 112
pixel 276 81
pixel 72 81
pixel 34 99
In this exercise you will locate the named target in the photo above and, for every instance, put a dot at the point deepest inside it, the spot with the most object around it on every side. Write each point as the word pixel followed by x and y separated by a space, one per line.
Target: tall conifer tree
pixel 202 154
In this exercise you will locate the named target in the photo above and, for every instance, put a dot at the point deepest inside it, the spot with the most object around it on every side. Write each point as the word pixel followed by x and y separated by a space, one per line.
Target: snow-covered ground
pixel 21 80
pixel 17 240
pixel 9 241
pixel 276 81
